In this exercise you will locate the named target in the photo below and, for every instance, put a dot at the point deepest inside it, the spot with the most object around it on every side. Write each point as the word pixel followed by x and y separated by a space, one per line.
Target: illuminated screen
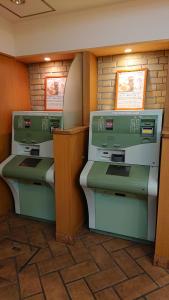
pixel 147 131
pixel 109 124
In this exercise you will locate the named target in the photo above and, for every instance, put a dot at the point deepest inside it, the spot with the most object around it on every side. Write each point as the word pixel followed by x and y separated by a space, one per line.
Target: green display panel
pixel 119 131
pixel 125 216
pixel 35 129
pixel 37 201
pixel 135 183
pixel 17 168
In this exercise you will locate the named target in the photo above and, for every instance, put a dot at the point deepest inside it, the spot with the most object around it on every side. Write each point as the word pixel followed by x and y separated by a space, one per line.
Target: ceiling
pixel 34 8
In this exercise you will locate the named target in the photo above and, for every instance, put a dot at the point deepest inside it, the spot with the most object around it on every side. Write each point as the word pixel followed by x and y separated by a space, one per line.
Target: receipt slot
pixel 120 179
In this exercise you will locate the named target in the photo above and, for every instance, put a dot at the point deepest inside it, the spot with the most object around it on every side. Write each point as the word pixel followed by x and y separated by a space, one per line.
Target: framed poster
pixel 130 89
pixel 54 93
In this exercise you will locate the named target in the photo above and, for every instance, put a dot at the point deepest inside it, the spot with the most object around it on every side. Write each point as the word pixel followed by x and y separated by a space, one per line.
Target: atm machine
pixel 29 170
pixel 120 179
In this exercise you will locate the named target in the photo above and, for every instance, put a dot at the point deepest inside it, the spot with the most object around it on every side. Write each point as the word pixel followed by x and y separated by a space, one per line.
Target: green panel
pixel 121 215
pixel 126 131
pixel 37 201
pixel 35 129
pixel 135 183
pixel 13 169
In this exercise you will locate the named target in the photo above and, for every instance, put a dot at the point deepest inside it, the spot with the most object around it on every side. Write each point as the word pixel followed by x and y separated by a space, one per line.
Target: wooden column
pixel 14 95
pixel 89 85
pixel 70 155
pixel 161 257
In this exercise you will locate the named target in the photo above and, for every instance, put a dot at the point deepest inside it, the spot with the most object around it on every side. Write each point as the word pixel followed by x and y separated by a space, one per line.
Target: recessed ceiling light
pixel 18 2
pixel 128 50
pixel 47 58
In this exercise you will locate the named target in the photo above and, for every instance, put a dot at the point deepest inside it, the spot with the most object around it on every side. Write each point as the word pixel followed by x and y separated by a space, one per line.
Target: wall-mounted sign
pixel 54 93
pixel 130 89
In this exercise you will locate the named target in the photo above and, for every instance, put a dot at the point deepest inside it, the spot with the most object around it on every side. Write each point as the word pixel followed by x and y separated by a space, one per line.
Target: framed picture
pixel 130 89
pixel 54 93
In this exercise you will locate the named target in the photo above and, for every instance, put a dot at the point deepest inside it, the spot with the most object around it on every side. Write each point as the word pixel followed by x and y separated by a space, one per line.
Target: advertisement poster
pixel 54 92
pixel 130 90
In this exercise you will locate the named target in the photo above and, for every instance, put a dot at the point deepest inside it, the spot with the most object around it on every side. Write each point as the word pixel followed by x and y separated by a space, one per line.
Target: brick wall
pixel 157 65
pixel 37 74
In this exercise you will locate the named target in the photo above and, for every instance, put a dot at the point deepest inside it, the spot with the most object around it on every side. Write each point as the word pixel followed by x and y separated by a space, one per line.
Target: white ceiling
pixel 34 8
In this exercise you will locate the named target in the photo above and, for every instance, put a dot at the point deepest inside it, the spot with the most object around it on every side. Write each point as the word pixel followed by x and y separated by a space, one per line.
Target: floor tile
pixel 107 294
pixel 140 250
pixel 116 244
pixel 29 281
pixel 23 259
pixel 42 254
pixel 10 293
pixel 8 270
pixel 159 275
pixel 57 248
pixel 19 234
pixel 92 239
pixel 79 252
pixel 79 270
pixel 161 294
pixel 36 238
pixel 53 287
pixel 103 259
pixel 4 229
pixel 79 290
pixel 34 266
pixel 135 287
pixel 105 278
pixel 128 265
pixel 36 297
pixel 55 264
pixel 50 232
pixel 17 221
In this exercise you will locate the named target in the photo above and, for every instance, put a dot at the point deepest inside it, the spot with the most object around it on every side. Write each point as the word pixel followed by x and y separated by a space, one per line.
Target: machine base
pixel 129 238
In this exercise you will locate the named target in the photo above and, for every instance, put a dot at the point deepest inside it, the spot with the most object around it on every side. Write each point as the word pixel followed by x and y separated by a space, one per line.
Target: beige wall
pixel 155 62
pixel 37 74
pixel 130 21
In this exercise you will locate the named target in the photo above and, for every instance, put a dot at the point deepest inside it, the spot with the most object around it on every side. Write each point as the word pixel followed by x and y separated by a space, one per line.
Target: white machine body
pixel 144 127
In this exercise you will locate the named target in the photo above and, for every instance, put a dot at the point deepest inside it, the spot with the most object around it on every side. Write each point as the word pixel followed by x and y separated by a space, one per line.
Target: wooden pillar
pixel 14 95
pixel 70 155
pixel 161 257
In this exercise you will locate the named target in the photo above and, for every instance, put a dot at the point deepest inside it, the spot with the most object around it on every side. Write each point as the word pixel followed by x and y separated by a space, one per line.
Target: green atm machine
pixel 120 179
pixel 29 170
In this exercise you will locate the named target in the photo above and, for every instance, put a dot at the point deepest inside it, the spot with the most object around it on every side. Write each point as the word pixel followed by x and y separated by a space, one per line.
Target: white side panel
pixel 2 164
pixel 85 172
pixel 13 185
pixel 50 176
pixel 15 192
pixel 152 202
pixel 73 95
pixel 89 193
pixel 90 196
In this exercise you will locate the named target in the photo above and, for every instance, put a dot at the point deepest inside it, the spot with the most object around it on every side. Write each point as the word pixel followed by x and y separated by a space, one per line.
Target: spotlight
pixel 18 2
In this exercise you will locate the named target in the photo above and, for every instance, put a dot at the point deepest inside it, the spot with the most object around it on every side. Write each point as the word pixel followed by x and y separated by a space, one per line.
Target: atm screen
pixel 27 123
pixel 118 170
pixel 30 162
pixel 109 124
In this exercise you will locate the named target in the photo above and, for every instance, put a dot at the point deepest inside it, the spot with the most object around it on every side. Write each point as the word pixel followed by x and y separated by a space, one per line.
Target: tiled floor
pixel 34 266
